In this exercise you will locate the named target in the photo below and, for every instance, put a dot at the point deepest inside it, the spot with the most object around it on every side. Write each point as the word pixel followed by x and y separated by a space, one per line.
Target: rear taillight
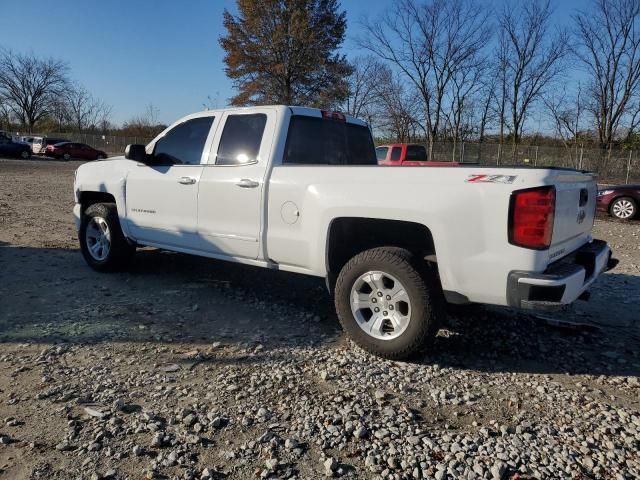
pixel 531 215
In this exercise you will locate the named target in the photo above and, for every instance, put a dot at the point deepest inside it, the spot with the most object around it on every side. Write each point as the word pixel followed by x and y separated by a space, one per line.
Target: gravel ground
pixel 195 369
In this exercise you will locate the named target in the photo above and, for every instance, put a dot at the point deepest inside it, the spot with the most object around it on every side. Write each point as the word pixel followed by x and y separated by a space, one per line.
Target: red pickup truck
pixel 407 154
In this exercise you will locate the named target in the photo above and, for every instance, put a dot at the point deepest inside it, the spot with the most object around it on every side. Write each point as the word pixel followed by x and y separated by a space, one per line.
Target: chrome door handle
pixel 187 180
pixel 247 183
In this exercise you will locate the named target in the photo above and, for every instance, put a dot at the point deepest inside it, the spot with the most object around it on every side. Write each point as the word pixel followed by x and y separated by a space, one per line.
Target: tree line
pixel 448 70
pixel 38 94
pixel 429 70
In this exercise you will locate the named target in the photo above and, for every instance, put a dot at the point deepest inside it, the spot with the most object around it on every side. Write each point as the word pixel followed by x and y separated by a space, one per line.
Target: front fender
pixel 106 177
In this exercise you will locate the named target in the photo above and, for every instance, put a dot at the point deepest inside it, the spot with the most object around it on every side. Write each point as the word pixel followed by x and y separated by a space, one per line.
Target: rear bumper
pixel 563 281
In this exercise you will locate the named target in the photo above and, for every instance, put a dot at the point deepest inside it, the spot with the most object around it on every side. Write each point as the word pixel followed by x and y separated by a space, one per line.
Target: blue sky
pixel 165 52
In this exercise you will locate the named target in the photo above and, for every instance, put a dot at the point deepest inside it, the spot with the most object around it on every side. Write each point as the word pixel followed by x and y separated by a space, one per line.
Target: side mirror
pixel 137 153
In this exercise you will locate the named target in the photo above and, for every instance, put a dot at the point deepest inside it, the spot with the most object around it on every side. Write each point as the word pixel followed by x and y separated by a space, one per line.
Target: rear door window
pixel 416 153
pixel 241 139
pixel 395 153
pixel 183 144
pixel 319 141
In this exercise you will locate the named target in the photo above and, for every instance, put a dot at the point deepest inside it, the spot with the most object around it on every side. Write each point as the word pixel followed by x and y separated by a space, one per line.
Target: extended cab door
pixel 162 197
pixel 232 183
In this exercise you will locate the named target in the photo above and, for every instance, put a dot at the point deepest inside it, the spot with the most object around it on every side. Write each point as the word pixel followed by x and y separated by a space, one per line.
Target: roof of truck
pixel 296 110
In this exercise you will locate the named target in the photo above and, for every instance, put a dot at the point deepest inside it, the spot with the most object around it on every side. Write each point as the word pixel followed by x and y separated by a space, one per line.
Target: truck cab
pixel 300 190
pixel 407 154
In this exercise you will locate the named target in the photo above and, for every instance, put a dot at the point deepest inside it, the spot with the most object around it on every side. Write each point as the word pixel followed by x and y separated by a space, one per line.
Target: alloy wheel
pixel 381 305
pixel 623 209
pixel 98 238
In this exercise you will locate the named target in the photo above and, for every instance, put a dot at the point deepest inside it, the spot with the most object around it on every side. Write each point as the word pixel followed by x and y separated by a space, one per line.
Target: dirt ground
pixel 179 335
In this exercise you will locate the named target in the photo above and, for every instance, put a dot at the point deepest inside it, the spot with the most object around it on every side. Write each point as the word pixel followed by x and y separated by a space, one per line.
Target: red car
pixel 407 154
pixel 620 201
pixel 69 150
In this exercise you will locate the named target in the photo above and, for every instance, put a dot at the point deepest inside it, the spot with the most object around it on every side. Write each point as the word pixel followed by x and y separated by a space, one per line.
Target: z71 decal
pixel 491 178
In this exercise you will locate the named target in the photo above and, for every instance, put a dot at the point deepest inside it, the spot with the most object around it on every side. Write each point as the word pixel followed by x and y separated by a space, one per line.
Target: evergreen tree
pixel 285 52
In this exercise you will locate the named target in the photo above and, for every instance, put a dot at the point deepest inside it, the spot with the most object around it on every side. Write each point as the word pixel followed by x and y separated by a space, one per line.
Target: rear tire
pixel 25 155
pixel 396 271
pixel 624 208
pixel 103 245
pixel 66 157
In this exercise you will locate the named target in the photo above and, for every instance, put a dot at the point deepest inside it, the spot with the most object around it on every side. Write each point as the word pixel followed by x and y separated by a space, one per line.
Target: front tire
pixel 390 304
pixel 624 208
pixel 25 155
pixel 103 245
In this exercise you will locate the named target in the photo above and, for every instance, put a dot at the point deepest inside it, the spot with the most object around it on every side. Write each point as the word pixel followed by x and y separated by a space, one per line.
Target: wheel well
pixel 89 198
pixel 349 236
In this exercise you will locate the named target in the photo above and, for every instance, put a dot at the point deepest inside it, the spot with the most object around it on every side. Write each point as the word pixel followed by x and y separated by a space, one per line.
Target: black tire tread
pixel 421 275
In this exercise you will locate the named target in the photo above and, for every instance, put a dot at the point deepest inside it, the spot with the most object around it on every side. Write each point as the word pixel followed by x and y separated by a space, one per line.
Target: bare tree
pixel 59 112
pixel 104 117
pixel 363 84
pixel 465 84
pixel 30 85
pixel 212 103
pixel 530 56
pixel 398 111
pixel 429 42
pixel 566 111
pixel 5 115
pixel 609 48
pixel 502 75
pixel 486 99
pixel 147 124
pixel 82 107
pixel 151 114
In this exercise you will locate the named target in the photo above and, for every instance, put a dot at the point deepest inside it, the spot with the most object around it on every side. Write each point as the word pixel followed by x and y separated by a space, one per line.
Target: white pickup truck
pixel 299 189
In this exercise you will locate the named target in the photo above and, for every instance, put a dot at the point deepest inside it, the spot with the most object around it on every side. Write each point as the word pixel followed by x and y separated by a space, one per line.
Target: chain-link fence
pixel 611 165
pixel 112 144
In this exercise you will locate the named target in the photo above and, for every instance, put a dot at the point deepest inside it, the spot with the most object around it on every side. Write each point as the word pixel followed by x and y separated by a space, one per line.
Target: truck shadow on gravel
pixel 51 296
pixel 599 337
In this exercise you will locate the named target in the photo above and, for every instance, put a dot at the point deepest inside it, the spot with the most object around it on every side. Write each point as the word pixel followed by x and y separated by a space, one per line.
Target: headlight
pixel 604 192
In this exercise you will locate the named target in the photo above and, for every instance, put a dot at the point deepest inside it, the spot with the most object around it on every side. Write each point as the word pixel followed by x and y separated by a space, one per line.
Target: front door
pixel 162 196
pixel 232 184
pixel 75 150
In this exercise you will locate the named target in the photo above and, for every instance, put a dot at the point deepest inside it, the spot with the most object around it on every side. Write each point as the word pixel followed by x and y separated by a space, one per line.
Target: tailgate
pixel 575 210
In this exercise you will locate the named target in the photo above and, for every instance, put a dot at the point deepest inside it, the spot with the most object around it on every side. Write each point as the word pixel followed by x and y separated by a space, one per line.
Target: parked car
pixel 620 201
pixel 31 140
pixel 23 139
pixel 11 148
pixel 407 154
pixel 299 189
pixel 40 144
pixel 69 150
